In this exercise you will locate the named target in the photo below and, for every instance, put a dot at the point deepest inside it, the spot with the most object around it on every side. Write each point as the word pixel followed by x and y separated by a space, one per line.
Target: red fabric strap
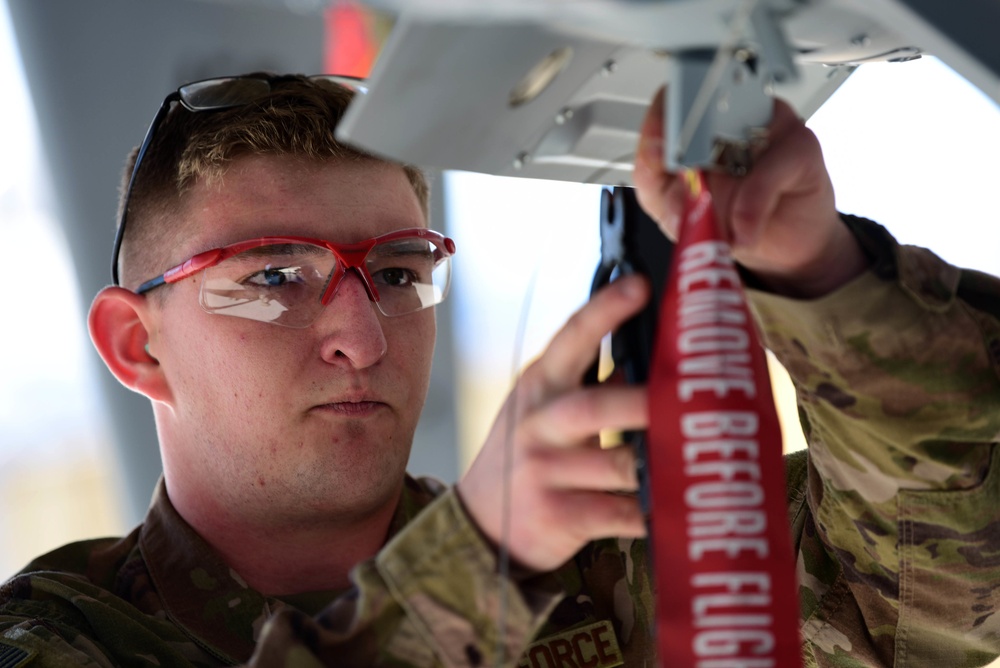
pixel 725 573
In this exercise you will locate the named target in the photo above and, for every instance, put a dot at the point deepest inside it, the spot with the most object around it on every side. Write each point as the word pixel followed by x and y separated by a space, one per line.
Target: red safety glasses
pixel 287 280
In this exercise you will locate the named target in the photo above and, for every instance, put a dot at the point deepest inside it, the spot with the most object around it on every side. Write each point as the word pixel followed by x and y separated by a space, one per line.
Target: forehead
pixel 338 200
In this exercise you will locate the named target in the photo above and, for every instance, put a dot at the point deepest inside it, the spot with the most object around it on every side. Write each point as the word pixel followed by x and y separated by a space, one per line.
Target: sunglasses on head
pixel 209 95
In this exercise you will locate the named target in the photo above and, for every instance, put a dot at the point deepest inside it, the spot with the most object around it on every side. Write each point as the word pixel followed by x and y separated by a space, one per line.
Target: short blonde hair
pixel 298 117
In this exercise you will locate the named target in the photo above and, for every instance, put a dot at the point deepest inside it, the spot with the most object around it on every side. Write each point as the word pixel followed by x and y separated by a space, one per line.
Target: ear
pixel 120 322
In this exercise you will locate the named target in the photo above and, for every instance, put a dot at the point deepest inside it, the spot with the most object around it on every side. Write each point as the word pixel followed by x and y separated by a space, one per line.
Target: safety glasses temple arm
pixel 182 271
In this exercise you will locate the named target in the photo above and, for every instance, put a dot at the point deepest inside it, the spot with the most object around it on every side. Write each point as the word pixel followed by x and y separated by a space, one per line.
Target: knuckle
pixel 627 512
pixel 544 463
pixel 575 410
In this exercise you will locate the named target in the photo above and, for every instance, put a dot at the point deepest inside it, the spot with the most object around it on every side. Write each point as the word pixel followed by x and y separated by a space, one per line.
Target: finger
pixel 610 470
pixel 597 515
pixel 545 538
pixel 575 346
pixel 581 414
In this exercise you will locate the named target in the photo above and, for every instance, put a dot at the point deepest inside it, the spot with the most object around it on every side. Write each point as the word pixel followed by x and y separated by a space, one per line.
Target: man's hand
pixel 562 482
pixel 780 218
pixel 782 223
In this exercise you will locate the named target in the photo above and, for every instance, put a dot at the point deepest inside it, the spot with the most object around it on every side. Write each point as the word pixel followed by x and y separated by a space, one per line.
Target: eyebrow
pixel 413 247
pixel 283 249
pixel 404 252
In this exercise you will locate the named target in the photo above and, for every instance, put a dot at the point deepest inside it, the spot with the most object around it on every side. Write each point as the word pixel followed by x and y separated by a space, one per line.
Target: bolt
pixel 564 115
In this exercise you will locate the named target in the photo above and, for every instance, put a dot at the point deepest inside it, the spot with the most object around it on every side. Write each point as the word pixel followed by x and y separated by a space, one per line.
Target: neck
pixel 292 555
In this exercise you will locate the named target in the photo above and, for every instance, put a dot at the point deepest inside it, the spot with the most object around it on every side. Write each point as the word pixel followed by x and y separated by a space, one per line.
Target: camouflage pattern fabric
pixel 897 378
pixel 894 515
pixel 161 597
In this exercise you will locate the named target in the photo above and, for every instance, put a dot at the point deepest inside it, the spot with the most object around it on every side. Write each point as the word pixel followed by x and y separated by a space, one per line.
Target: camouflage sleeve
pixel 899 398
pixel 43 616
pixel 431 597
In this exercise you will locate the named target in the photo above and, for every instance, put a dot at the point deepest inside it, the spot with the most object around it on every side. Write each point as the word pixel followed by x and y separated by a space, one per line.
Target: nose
pixel 352 331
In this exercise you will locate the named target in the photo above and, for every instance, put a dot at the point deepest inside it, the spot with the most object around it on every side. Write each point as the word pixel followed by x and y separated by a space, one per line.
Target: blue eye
pixel 275 277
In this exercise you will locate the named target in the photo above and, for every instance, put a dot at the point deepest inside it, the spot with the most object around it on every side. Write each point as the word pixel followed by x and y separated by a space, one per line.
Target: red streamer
pixel 725 573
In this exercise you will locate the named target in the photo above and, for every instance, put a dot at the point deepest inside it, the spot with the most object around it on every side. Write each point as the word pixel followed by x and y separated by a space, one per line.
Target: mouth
pixel 352 408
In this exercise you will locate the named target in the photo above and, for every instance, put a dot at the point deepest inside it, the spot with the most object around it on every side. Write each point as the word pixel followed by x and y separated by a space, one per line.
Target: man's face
pixel 285 424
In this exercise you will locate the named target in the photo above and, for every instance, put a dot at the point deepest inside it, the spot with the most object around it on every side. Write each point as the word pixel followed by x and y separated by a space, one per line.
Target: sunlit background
pixel 911 145
pixel 56 473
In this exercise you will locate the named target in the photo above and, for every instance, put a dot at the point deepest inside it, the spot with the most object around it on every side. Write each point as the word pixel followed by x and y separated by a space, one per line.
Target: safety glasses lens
pixel 284 283
pixel 280 284
pixel 408 274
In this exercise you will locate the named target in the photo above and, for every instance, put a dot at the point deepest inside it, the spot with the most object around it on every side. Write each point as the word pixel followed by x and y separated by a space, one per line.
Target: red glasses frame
pixel 349 256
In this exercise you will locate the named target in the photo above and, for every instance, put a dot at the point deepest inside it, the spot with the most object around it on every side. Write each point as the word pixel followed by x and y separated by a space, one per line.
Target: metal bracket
pixel 720 103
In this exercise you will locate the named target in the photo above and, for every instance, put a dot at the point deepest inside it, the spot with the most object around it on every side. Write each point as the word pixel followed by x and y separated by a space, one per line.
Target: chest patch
pixel 593 646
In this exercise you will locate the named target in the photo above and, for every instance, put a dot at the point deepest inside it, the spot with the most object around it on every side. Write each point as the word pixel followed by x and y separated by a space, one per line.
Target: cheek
pixel 260 356
pixel 226 364
pixel 412 342
pixel 207 370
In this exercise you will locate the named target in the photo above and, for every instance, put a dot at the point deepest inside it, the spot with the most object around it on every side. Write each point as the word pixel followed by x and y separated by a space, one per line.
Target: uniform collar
pixel 207 598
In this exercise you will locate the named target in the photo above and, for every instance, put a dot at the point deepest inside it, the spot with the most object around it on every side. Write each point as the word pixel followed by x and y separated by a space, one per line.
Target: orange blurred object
pixel 354 36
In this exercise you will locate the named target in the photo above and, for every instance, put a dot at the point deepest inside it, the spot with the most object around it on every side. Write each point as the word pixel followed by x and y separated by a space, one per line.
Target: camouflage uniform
pixel 899 542
pixel 894 515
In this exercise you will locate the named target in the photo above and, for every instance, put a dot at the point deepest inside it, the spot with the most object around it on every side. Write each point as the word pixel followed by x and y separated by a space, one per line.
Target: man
pixel 284 430
pixel 274 306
